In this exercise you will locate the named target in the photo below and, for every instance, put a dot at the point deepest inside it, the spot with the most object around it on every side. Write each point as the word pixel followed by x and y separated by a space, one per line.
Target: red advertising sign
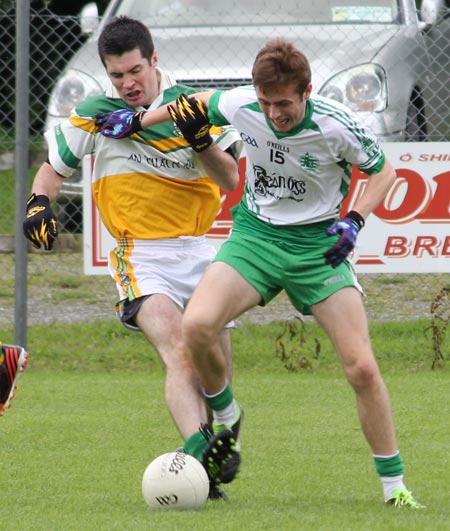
pixel 407 232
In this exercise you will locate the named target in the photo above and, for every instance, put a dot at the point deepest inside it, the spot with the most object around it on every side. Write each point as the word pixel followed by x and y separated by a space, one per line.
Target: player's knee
pixel 362 374
pixel 197 331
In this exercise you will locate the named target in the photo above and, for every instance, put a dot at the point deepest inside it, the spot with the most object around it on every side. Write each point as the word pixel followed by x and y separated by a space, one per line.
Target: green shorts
pixel 299 268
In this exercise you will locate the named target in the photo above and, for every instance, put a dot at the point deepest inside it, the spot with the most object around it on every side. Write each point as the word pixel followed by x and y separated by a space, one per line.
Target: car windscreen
pixel 186 13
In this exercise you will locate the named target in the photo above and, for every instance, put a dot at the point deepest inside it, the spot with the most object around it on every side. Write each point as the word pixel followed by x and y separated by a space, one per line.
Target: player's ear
pixel 308 91
pixel 154 59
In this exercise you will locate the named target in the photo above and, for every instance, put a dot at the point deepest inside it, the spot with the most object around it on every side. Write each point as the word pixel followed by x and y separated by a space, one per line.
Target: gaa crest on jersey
pixel 308 162
pixel 249 140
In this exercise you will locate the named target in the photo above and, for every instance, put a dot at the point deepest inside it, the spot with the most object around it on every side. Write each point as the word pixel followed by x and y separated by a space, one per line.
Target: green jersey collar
pixel 306 123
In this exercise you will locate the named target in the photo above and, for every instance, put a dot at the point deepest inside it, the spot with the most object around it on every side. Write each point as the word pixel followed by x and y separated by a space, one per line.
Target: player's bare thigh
pixel 343 317
pixel 221 296
pixel 159 318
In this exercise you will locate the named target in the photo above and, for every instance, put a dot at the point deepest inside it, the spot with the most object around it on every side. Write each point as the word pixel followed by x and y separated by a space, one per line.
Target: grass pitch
pixel 87 421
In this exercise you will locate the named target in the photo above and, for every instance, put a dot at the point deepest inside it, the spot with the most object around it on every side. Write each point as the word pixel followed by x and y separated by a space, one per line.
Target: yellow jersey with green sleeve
pixel 302 176
pixel 148 186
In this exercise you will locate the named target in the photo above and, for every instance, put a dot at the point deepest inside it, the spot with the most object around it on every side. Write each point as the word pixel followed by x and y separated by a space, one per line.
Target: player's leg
pixel 221 295
pixel 227 351
pixel 13 360
pixel 159 318
pixel 343 317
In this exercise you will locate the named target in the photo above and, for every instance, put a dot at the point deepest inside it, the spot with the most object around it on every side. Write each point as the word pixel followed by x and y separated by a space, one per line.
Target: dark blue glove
pixel 119 124
pixel 348 228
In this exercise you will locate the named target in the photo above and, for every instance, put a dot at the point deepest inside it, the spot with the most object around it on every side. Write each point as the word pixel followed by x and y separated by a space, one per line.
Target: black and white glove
pixel 191 118
pixel 40 225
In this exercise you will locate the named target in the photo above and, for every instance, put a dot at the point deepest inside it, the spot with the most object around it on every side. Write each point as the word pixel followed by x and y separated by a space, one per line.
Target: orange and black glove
pixel 40 225
pixel 191 118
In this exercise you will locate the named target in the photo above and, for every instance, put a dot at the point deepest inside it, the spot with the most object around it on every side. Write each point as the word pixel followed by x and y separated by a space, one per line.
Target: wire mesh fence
pixel 410 71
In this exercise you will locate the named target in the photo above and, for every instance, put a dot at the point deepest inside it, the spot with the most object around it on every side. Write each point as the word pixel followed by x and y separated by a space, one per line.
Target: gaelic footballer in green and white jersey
pixel 298 177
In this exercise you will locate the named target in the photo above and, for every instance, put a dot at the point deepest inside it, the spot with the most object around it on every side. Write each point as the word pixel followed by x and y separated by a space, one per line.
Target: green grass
pixel 404 345
pixel 89 417
pixel 76 444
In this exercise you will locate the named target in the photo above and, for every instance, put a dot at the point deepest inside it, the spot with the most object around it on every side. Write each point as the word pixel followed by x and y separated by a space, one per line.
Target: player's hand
pixel 348 228
pixel 119 124
pixel 191 118
pixel 40 225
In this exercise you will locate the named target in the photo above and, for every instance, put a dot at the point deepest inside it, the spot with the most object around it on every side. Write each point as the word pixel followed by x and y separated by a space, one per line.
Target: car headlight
pixel 361 88
pixel 70 90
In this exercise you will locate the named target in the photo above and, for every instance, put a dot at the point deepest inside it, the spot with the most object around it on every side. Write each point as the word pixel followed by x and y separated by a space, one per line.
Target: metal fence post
pixel 22 156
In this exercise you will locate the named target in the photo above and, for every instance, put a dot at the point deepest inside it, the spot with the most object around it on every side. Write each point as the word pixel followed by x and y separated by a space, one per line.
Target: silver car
pixel 372 55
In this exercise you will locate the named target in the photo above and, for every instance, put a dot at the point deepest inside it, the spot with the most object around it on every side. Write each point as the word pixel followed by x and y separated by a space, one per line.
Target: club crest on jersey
pixel 308 162
pixel 124 279
pixel 370 147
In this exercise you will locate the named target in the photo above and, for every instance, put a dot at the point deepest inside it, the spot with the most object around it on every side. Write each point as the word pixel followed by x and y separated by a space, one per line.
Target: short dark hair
pixel 279 62
pixel 124 34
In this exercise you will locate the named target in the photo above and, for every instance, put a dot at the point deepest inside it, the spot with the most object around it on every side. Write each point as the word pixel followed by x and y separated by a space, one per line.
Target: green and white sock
pixel 223 406
pixel 390 470
pixel 195 445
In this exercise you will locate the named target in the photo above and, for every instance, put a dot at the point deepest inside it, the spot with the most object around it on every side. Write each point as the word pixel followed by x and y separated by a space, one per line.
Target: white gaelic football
pixel 175 481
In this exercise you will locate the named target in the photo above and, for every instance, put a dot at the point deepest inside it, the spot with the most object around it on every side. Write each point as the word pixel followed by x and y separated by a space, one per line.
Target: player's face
pixel 134 77
pixel 283 106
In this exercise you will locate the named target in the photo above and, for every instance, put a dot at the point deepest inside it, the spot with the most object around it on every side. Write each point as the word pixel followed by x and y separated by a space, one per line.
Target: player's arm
pixel 162 114
pixel 189 113
pixel 123 122
pixel 221 166
pixel 378 185
pixel 190 116
pixel 40 225
pixel 47 182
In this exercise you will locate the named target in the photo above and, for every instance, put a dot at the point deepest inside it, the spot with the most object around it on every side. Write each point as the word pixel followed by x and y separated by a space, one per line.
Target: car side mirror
pixel 89 19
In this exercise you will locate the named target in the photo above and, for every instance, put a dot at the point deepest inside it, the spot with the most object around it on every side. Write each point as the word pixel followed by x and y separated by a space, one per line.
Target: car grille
pixel 215 83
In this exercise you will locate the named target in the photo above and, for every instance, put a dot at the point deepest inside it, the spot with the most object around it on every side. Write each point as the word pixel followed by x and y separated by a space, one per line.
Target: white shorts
pixel 171 267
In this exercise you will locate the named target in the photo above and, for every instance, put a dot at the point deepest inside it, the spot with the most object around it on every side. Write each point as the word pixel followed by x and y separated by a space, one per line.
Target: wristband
pixel 357 218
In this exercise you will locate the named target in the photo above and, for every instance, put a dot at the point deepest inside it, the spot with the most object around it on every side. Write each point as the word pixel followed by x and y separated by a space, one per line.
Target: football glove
pixel 191 118
pixel 348 228
pixel 119 124
pixel 40 225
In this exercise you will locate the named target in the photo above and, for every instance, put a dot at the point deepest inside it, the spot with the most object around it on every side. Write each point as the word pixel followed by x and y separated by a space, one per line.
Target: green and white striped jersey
pixel 302 176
